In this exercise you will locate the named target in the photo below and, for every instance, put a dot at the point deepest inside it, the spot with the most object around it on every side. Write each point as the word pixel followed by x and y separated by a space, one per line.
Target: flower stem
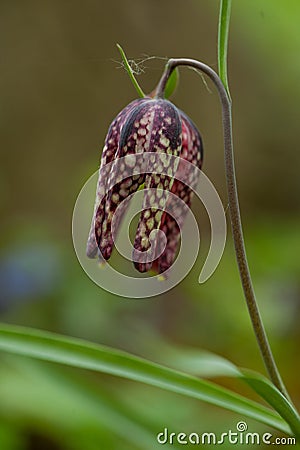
pixel 234 209
pixel 130 72
pixel 223 31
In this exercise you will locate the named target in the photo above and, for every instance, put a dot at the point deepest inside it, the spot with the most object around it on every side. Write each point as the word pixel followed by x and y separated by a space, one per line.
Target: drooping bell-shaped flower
pixel 147 126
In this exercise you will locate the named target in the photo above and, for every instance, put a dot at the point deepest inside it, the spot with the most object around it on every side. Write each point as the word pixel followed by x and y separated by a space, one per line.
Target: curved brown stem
pixel 235 215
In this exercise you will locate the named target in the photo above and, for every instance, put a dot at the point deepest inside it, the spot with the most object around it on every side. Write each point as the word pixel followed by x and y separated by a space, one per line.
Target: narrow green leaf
pixel 207 364
pixel 172 83
pixel 130 72
pixel 271 394
pixel 223 31
pixel 79 353
pixel 73 403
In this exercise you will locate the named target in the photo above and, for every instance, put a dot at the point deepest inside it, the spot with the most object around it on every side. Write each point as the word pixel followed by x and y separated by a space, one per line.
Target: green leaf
pixel 79 353
pixel 10 439
pixel 130 72
pixel 172 83
pixel 206 364
pixel 223 31
pixel 273 396
pixel 73 403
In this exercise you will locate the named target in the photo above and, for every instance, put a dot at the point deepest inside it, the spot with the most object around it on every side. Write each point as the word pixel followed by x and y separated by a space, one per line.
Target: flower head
pixel 147 126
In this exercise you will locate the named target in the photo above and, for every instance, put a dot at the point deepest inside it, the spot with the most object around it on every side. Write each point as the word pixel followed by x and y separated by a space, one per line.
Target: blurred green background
pixel 61 85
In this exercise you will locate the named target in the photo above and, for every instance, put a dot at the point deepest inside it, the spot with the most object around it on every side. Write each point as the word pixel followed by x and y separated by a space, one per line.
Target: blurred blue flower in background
pixel 27 273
